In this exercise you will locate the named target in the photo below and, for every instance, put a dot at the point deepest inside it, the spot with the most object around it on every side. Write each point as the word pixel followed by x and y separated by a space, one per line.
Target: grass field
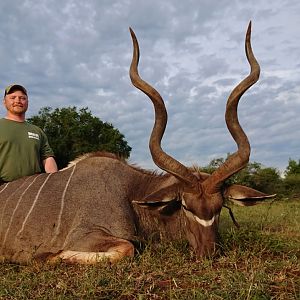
pixel 258 261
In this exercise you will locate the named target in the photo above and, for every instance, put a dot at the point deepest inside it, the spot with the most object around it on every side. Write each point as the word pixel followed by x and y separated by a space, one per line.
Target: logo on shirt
pixel 32 135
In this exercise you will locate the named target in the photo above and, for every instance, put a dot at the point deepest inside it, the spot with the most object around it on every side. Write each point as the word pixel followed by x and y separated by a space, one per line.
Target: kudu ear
pixel 245 196
pixel 165 200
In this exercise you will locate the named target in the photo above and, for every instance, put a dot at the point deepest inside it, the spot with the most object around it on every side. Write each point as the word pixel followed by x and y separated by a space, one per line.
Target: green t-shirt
pixel 23 147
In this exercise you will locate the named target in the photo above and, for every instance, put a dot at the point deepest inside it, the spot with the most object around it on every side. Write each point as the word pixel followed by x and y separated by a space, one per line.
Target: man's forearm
pixel 50 165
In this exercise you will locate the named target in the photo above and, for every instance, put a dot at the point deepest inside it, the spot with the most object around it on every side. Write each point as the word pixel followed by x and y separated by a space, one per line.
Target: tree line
pixel 73 132
pixel 265 179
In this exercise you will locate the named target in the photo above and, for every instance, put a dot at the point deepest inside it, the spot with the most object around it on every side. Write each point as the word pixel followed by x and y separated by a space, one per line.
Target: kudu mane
pixel 150 178
pixel 92 154
pixel 115 156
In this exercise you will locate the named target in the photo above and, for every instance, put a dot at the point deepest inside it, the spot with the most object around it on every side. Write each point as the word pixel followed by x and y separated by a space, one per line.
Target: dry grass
pixel 258 261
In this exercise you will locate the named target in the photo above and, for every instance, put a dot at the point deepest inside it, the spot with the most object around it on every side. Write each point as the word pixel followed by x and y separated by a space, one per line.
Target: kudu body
pixel 97 206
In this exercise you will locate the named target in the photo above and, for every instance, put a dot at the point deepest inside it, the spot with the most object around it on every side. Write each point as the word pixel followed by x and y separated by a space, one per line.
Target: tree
pixel 267 180
pixel 246 175
pixel 293 168
pixel 254 175
pixel 72 133
pixel 292 178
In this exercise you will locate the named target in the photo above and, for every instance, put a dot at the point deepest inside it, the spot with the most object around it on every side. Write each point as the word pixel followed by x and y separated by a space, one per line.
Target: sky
pixel 78 53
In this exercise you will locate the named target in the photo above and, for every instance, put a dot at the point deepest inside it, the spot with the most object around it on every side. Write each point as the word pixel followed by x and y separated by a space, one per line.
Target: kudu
pixel 99 205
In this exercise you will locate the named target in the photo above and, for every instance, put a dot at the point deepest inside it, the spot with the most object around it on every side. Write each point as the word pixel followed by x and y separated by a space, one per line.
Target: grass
pixel 258 261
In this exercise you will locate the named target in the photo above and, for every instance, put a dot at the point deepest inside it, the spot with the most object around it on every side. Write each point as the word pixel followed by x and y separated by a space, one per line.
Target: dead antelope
pixel 97 206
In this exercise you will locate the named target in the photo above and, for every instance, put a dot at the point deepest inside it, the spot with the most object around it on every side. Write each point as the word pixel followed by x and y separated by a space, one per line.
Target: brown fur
pixel 40 217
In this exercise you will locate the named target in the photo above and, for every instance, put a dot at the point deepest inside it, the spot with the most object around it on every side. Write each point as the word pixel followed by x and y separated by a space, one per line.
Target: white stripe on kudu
pixel 34 202
pixel 62 205
pixel 7 199
pixel 5 186
pixel 205 223
pixel 19 201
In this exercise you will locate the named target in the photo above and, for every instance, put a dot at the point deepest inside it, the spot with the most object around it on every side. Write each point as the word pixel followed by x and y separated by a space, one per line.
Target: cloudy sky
pixel 77 53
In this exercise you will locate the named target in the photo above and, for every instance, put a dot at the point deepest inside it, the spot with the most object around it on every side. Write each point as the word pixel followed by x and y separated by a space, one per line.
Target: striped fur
pixel 97 206
pixel 45 214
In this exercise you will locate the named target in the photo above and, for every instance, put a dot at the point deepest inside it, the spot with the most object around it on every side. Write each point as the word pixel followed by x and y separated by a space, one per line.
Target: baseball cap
pixel 14 87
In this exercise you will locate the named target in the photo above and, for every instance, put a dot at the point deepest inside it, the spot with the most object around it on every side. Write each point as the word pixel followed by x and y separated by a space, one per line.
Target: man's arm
pixel 50 165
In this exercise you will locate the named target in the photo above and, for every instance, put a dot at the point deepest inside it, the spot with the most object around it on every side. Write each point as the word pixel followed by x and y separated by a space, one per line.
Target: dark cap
pixel 14 87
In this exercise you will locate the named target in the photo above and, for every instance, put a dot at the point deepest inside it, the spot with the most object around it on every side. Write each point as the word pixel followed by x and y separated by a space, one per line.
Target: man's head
pixel 15 101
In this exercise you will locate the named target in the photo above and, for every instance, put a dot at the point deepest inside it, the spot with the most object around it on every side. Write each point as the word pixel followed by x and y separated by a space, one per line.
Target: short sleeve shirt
pixel 23 147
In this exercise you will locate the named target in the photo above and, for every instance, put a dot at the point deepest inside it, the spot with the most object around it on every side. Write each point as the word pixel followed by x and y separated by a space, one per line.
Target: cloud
pixel 78 53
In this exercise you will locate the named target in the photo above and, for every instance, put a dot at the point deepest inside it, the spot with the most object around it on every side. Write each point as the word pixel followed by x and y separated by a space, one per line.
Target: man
pixel 24 148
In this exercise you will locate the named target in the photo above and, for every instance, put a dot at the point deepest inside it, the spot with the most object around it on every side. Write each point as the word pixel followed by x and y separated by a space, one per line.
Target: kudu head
pixel 201 195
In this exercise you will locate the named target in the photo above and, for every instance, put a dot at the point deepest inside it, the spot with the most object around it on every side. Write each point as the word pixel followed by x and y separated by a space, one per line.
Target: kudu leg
pixel 113 251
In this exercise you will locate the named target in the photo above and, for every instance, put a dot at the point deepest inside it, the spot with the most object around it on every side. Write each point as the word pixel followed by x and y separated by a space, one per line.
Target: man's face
pixel 16 103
